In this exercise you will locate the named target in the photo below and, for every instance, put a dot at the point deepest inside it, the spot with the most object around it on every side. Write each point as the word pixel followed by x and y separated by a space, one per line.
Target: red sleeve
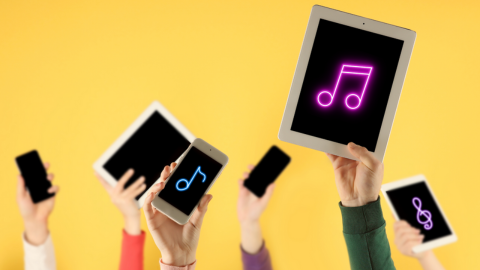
pixel 132 251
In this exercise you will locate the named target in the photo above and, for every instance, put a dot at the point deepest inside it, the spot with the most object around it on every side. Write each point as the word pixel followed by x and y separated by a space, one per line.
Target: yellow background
pixel 75 74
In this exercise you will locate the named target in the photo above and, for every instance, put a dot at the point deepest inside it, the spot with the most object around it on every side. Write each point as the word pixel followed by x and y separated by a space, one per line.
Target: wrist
pixel 250 225
pixel 425 256
pixel 359 201
pixel 36 232
pixel 178 259
pixel 132 225
pixel 252 239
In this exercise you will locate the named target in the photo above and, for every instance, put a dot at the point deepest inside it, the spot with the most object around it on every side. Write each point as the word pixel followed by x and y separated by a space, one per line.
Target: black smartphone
pixel 35 176
pixel 266 171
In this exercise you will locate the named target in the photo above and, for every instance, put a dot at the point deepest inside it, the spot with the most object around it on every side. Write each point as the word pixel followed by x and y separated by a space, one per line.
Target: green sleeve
pixel 364 232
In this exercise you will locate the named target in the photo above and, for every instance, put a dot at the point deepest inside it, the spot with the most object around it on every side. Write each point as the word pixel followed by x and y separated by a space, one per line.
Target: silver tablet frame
pixel 408 182
pixel 319 12
pixel 154 107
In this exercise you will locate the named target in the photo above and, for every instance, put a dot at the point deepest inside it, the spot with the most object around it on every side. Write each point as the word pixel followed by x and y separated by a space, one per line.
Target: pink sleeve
pixel 132 251
pixel 171 267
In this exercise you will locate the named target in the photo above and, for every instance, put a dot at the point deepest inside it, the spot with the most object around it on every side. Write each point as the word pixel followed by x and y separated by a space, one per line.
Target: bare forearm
pixel 430 262
pixel 252 239
pixel 36 232
pixel 132 225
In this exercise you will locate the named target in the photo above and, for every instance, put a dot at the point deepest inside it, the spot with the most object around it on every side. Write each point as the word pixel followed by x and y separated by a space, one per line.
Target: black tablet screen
pixel 347 85
pixel 153 146
pixel 188 183
pixel 415 204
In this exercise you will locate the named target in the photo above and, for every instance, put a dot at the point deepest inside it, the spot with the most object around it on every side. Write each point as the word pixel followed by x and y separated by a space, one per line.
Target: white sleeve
pixel 40 257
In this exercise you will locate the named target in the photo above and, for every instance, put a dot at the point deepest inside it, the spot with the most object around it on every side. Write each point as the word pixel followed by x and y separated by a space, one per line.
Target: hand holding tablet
pixel 358 182
pixel 124 199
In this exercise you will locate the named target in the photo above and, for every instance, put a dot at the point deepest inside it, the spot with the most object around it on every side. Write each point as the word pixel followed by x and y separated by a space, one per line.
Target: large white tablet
pixel 347 83
pixel 155 139
pixel 412 200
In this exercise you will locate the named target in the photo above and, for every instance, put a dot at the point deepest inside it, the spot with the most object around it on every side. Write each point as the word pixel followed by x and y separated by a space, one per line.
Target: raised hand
pixel 358 182
pixel 35 216
pixel 406 237
pixel 124 199
pixel 249 210
pixel 177 243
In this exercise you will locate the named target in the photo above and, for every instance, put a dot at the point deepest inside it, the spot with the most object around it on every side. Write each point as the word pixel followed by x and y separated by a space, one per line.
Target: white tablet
pixel 412 200
pixel 347 83
pixel 155 139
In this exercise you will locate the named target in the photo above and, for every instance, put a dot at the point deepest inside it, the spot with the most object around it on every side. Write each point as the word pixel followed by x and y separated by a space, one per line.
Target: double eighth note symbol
pixel 188 183
pixel 325 98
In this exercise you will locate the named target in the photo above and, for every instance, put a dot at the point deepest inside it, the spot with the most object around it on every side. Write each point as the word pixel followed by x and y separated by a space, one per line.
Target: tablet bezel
pixel 154 107
pixel 410 181
pixel 319 12
pixel 171 211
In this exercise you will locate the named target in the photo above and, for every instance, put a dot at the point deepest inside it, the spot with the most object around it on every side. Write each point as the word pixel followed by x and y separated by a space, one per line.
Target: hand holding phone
pixel 35 215
pixel 177 243
pixel 249 210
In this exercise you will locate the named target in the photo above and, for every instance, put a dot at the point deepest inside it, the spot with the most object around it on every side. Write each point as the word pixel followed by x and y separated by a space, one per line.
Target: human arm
pixel 407 237
pixel 37 243
pixel 133 238
pixel 177 243
pixel 358 184
pixel 249 210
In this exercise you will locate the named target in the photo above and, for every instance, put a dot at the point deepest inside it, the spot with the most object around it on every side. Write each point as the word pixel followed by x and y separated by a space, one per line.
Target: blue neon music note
pixel 427 224
pixel 188 183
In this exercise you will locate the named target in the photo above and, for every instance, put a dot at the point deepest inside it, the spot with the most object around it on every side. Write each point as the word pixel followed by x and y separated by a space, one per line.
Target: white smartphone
pixel 191 179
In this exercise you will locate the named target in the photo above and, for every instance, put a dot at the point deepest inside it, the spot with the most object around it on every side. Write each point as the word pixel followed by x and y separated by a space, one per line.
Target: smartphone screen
pixel 267 170
pixel 190 180
pixel 35 176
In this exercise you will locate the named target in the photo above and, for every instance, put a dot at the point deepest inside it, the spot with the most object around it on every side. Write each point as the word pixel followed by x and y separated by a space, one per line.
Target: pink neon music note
pixel 351 70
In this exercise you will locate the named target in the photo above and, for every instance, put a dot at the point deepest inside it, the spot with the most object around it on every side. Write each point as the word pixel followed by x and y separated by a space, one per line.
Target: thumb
pixel 147 204
pixel 197 217
pixel 364 156
pixel 21 190
pixel 268 194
